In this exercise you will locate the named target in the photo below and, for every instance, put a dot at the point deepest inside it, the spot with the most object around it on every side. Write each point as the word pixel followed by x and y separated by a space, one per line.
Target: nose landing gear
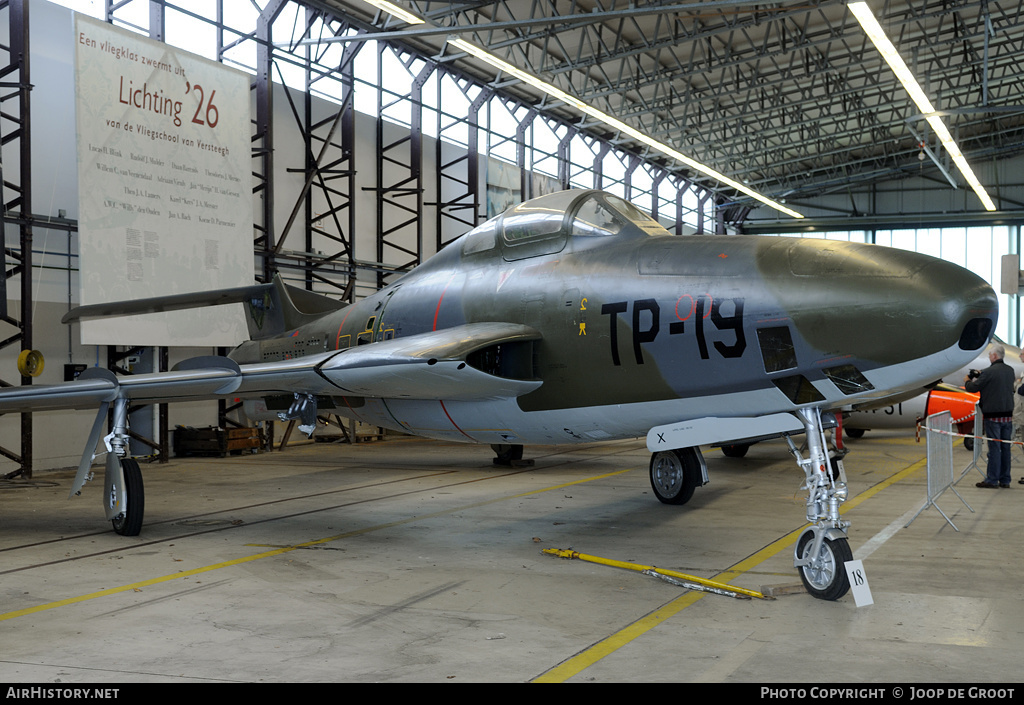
pixel 822 551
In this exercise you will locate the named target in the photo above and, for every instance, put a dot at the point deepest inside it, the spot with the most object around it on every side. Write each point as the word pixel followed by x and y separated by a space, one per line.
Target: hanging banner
pixel 164 183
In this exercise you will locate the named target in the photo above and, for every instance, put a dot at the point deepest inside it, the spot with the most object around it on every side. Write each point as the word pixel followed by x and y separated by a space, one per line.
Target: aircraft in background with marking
pixel 949 395
pixel 572 318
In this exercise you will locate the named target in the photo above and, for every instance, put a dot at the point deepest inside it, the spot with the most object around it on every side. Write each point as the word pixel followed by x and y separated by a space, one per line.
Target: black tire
pixel 506 454
pixel 735 451
pixel 854 432
pixel 675 475
pixel 969 444
pixel 829 581
pixel 129 523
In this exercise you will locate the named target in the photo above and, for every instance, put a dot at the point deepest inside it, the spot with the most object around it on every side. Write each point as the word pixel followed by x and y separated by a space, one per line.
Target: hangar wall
pixel 55 284
pixel 59 436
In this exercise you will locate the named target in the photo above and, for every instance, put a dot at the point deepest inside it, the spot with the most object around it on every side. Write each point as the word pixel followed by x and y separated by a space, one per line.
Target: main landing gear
pixel 509 455
pixel 675 474
pixel 124 498
pixel 123 493
pixel 132 498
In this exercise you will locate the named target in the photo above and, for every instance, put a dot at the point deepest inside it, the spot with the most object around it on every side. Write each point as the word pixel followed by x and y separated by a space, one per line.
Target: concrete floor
pixel 412 560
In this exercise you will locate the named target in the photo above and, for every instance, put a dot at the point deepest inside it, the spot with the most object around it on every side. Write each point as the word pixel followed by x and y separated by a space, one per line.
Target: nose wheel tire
pixel 825 577
pixel 674 475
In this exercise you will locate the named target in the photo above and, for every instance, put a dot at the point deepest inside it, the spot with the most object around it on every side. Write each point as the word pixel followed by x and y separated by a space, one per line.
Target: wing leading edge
pixel 433 365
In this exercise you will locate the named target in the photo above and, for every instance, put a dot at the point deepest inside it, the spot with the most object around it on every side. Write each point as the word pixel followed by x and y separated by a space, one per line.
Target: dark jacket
pixel 996 386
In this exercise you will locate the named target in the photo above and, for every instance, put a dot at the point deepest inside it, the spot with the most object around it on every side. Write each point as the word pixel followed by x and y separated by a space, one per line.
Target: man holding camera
pixel 996 385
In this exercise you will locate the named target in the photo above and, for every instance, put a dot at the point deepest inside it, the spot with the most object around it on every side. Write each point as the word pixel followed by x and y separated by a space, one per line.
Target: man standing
pixel 996 387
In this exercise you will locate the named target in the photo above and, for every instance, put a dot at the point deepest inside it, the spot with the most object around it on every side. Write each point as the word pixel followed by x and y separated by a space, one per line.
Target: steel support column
pixel 458 176
pixel 263 141
pixel 15 133
pixel 399 187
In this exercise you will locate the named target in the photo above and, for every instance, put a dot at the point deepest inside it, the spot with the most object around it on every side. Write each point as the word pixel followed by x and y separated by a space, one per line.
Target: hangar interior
pixel 376 141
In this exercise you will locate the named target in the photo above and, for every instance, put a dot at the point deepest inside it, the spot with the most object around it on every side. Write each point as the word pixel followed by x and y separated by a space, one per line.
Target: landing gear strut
pixel 823 550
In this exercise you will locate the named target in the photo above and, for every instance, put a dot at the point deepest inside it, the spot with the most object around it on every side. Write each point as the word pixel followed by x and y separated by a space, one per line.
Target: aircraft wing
pixel 429 365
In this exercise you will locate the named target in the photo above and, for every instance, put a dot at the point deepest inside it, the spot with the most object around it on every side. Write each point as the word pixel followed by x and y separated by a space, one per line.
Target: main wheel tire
pixel 129 522
pixel 735 451
pixel 854 432
pixel 674 475
pixel 505 454
pixel 827 579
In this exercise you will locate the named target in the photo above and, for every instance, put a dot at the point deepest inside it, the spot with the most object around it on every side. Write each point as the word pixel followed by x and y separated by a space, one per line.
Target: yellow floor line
pixel 276 552
pixel 585 659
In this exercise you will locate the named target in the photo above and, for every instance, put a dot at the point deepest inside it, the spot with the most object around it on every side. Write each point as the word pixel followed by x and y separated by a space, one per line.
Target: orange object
pixel 959 403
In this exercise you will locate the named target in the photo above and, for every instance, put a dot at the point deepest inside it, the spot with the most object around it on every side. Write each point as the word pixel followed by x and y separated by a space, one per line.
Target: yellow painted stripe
pixel 144 583
pixel 276 552
pixel 573 666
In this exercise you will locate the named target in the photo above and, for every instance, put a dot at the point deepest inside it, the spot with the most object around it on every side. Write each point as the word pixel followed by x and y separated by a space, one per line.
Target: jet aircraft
pixel 571 318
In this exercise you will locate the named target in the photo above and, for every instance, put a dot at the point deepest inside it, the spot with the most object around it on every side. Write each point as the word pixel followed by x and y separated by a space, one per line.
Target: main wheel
pixel 674 475
pixel 737 450
pixel 505 454
pixel 825 578
pixel 854 432
pixel 129 522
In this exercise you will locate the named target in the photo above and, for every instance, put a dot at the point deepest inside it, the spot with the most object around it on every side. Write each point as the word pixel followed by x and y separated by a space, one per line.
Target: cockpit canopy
pixel 545 224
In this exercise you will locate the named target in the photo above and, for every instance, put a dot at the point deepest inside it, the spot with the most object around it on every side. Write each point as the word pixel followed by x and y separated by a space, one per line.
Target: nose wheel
pixel 824 572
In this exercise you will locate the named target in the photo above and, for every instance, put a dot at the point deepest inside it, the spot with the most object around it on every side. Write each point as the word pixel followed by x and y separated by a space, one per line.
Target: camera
pixel 973 374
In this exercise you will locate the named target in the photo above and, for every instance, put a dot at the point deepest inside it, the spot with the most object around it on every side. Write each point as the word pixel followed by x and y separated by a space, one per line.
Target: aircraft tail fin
pixel 277 308
pixel 270 309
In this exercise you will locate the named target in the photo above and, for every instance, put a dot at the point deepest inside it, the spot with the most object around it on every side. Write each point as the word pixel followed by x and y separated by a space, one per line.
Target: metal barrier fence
pixel 979 444
pixel 939 443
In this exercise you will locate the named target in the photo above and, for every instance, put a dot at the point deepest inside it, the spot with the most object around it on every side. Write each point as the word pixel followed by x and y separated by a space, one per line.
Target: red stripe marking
pixel 337 339
pixel 455 424
pixel 354 413
pixel 438 309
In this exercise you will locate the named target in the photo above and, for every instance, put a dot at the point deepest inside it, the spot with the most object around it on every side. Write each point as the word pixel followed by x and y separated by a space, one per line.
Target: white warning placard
pixel 165 186
pixel 859 583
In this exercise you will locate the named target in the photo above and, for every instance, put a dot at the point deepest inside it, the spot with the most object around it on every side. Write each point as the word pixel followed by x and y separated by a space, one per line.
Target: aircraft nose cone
pixel 893 305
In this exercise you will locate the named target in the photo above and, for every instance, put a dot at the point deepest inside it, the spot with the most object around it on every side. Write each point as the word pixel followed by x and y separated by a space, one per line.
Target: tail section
pixel 274 308
pixel 271 309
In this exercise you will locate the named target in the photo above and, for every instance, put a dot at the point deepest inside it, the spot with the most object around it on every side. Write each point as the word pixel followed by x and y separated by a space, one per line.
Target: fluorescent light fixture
pixel 395 10
pixel 875 33
pixel 615 123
